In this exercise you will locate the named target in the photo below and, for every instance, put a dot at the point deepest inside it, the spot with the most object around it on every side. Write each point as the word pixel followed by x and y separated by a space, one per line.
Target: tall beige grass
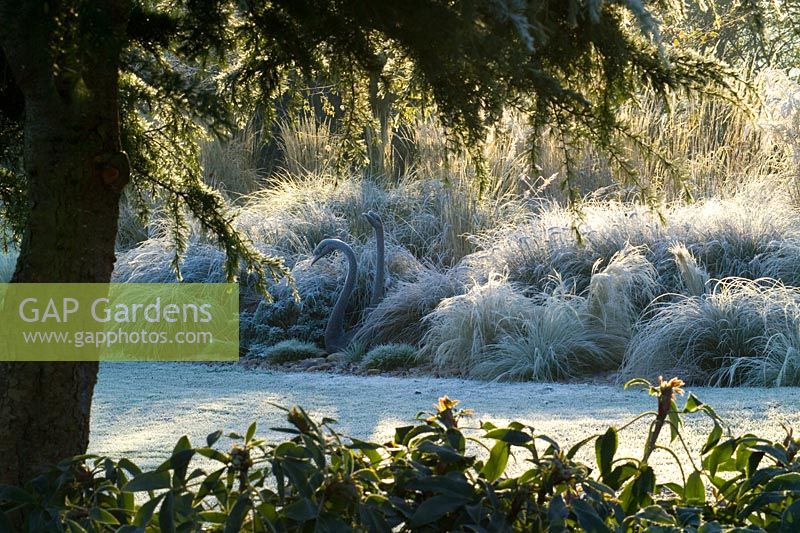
pixel 710 148
pixel 231 165
pixel 311 149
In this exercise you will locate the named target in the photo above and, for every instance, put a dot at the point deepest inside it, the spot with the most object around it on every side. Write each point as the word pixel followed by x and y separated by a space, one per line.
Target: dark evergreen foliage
pixel 199 67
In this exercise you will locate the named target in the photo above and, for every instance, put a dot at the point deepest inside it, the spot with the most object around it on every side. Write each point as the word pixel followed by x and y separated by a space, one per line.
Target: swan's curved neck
pixel 334 332
pixel 379 281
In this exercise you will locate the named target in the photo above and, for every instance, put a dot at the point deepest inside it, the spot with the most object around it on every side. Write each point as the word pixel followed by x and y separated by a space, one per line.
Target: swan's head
pixel 325 247
pixel 373 218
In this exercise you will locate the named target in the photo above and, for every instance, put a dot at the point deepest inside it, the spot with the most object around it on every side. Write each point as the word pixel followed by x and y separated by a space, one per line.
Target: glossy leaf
pixel 498 459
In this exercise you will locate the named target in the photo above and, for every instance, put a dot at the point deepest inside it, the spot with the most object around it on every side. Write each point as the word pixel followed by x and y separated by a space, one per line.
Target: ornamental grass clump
pixel 743 332
pixel 495 331
pixel 727 235
pixel 550 342
pixel 617 294
pixel 731 237
pixel 289 351
pixel 389 357
pixel 781 262
pixel 399 316
pixel 462 328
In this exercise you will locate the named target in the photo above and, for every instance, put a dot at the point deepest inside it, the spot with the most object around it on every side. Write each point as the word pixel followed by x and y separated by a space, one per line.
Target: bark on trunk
pixel 44 407
pixel 76 172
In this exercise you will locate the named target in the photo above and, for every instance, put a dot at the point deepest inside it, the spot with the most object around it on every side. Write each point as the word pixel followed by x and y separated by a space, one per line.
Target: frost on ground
pixel 141 409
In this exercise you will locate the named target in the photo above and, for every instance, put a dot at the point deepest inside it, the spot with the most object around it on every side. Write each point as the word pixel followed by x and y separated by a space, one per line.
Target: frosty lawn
pixel 141 409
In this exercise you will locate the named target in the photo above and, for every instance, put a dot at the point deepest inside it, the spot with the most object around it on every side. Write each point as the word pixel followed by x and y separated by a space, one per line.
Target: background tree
pixel 751 35
pixel 110 94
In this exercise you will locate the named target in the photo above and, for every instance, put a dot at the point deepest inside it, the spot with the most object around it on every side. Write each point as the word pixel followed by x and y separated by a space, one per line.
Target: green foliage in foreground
pixel 425 480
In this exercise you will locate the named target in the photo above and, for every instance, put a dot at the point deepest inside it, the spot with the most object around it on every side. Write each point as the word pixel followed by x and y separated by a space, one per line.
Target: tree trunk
pixel 76 172
pixel 44 407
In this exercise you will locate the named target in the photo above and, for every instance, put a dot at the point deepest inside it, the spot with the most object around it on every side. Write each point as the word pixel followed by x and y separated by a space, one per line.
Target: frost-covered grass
pixel 136 406
pixel 501 279
pixel 616 294
pixel 743 332
pixel 388 357
pixel 782 261
pixel 430 218
pixel 463 327
pixel 495 331
pixel 730 237
pixel 288 351
pixel 534 300
pixel 551 342
pixel 399 317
